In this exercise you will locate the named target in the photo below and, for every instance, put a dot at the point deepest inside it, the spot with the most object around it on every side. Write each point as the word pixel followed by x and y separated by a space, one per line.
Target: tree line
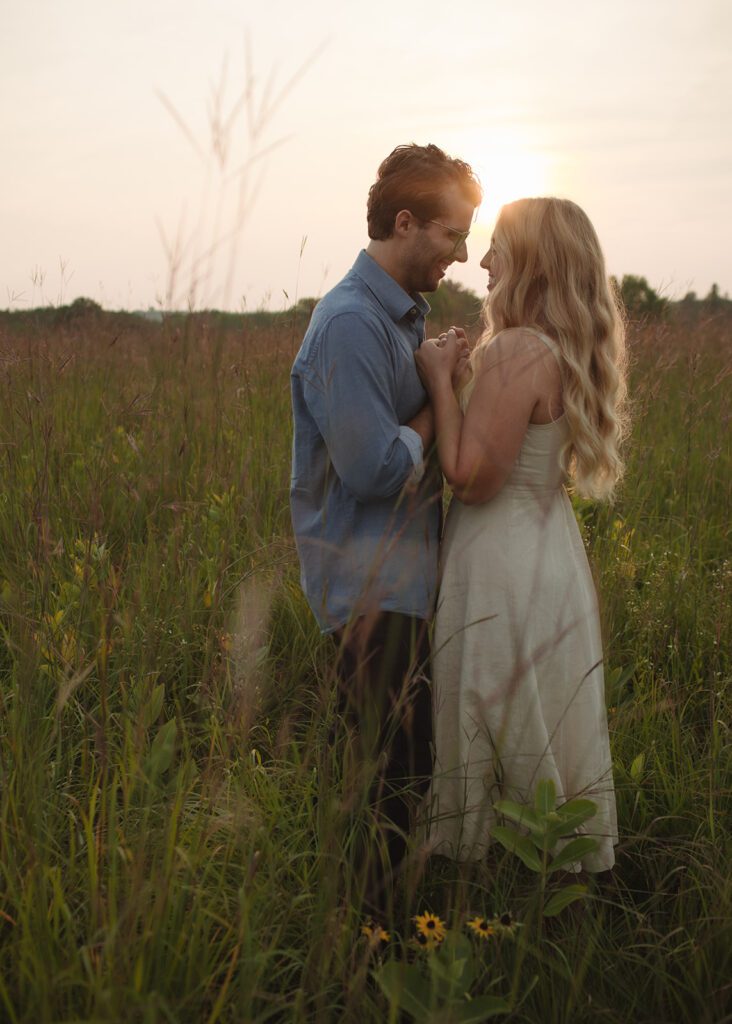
pixel 451 303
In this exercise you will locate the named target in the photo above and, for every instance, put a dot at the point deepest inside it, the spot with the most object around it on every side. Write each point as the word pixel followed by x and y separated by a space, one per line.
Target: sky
pixel 218 154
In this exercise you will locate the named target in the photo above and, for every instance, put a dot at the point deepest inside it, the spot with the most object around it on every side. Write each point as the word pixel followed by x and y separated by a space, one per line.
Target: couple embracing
pixel 468 654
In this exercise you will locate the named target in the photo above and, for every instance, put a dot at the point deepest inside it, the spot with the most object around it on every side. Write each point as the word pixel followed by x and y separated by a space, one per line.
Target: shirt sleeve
pixel 416 450
pixel 350 387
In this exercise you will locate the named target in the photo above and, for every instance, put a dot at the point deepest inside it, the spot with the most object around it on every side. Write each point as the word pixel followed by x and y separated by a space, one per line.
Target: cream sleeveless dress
pixel 518 680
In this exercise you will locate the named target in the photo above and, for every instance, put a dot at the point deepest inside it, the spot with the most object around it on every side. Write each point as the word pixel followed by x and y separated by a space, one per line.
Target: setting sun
pixel 508 169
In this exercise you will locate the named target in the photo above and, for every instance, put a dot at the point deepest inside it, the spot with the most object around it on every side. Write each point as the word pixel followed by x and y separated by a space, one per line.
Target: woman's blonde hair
pixel 553 278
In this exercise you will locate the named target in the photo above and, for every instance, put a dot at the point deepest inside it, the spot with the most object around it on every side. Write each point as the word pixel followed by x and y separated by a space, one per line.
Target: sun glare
pixel 508 170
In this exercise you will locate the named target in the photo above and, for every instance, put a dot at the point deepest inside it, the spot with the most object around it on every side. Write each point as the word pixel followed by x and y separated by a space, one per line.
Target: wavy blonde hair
pixel 553 278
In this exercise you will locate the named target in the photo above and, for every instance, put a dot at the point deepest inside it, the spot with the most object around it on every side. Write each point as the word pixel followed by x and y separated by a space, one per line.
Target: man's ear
pixel 403 221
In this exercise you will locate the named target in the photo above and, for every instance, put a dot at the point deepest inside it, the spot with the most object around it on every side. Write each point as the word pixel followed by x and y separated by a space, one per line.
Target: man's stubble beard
pixel 422 275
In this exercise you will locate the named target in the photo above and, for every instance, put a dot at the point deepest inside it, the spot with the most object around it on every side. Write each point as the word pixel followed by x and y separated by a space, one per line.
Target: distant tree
pixel 305 307
pixel 454 304
pixel 80 309
pixel 690 298
pixel 640 300
pixel 83 307
pixel 714 300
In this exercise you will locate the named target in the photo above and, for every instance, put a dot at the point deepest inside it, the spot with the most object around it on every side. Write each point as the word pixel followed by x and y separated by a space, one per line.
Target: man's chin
pixel 432 285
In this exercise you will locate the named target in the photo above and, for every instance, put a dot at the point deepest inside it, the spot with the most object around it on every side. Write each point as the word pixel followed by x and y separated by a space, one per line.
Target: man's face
pixel 438 243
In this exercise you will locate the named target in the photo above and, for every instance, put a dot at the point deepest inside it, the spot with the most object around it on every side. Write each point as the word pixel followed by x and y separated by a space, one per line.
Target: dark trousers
pixel 384 702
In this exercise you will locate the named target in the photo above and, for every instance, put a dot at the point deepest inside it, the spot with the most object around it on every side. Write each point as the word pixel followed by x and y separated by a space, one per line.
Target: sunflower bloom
pixel 482 927
pixel 430 926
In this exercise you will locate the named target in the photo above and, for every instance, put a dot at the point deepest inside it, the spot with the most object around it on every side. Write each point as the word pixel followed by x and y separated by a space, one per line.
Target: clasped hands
pixel 445 357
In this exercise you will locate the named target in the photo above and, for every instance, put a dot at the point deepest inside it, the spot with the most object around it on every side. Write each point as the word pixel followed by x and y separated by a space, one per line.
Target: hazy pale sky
pixel 219 153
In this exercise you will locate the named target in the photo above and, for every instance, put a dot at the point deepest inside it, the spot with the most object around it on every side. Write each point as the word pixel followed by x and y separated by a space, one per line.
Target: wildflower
pixel 374 933
pixel 482 927
pixel 505 924
pixel 421 941
pixel 430 926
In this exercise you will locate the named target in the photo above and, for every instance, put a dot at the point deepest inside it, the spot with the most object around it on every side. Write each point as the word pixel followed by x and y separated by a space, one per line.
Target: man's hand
pixel 462 372
pixel 437 359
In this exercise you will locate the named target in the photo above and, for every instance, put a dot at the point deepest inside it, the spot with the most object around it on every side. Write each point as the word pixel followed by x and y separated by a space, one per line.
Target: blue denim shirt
pixel 365 512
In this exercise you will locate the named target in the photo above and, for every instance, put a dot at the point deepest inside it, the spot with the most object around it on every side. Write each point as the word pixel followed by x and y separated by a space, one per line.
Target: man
pixel 365 503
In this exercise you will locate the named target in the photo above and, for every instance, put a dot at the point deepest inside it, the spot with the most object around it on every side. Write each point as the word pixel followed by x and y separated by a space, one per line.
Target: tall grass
pixel 175 831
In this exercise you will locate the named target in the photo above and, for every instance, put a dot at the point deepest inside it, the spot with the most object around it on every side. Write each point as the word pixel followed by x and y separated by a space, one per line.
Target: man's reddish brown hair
pixel 414 178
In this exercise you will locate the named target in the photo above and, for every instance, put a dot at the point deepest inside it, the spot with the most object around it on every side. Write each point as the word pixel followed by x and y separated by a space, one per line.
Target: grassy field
pixel 174 844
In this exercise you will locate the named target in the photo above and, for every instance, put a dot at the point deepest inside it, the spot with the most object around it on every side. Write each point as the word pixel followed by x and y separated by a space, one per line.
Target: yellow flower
pixel 430 926
pixel 482 927
pixel 374 933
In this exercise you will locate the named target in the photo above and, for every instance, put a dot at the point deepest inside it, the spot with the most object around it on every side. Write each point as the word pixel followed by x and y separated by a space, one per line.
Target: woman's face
pixel 493 263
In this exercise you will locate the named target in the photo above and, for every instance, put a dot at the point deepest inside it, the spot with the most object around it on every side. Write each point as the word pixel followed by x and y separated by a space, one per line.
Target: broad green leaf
pixel 521 814
pixel 571 815
pixel 575 850
pixel 556 904
pixel 162 749
pixel 404 985
pixel 636 768
pixel 617 693
pixel 479 1009
pixel 519 845
pixel 447 977
pixel 456 952
pixel 545 798
pixel 153 706
pixel 577 806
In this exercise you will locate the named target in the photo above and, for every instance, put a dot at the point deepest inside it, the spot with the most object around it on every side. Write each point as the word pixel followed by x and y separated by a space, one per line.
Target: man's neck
pixel 383 253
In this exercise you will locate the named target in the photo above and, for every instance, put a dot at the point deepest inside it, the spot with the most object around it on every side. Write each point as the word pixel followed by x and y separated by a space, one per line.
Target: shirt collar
pixel 400 305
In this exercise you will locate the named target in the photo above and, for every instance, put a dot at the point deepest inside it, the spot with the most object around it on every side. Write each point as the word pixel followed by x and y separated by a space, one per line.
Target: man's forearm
pixel 424 425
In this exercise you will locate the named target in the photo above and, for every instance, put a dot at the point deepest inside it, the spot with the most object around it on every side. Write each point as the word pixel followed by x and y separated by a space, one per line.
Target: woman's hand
pixel 439 358
pixel 463 371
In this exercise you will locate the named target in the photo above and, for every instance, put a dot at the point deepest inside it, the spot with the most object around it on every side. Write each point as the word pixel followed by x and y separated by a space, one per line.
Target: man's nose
pixel 461 253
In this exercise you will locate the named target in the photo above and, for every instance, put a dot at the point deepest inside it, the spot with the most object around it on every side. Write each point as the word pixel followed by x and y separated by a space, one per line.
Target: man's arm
pixel 424 425
pixel 351 390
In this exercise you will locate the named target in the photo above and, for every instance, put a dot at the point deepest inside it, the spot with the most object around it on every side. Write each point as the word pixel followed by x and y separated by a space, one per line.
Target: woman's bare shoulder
pixel 515 344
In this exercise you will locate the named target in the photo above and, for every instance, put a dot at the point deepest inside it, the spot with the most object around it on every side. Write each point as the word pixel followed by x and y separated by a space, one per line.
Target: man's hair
pixel 414 178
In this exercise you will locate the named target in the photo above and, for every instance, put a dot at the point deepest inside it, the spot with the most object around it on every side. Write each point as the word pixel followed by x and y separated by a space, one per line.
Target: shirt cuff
pixel 414 446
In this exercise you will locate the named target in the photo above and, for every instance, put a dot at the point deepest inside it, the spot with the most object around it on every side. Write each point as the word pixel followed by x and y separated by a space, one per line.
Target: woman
pixel 518 682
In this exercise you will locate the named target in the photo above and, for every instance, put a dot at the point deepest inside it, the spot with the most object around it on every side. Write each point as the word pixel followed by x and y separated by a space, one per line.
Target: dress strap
pixel 549 342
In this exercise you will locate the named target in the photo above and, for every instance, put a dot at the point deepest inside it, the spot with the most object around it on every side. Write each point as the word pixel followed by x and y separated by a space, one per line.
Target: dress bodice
pixel 538 465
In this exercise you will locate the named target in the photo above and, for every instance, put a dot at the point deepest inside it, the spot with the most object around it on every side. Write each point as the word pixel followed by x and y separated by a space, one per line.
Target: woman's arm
pixel 477 451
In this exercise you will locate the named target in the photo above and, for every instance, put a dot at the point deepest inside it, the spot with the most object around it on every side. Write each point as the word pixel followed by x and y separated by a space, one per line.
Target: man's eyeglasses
pixel 458 237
